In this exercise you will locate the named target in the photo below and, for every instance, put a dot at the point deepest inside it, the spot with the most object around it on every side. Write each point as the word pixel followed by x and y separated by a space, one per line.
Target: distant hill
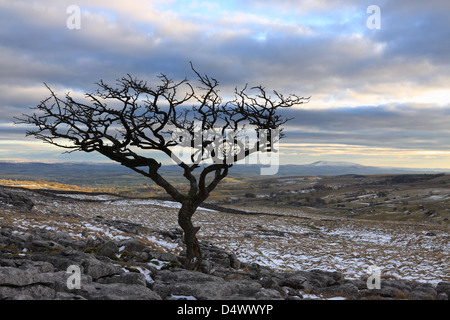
pixel 113 174
pixel 334 164
pixel 334 168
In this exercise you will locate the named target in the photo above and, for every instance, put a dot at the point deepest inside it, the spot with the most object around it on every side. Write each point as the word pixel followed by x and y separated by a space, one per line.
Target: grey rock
pixel 7 263
pixel 401 285
pixel 98 269
pixel 94 243
pixel 392 292
pixel 126 278
pixel 218 256
pixel 370 293
pixel 139 257
pixel 361 285
pixel 16 283
pixel 205 287
pixel 268 294
pixel 172 234
pixel 45 245
pixel 421 295
pixel 288 291
pixel 347 290
pixel 68 243
pixel 22 284
pixel 322 279
pixel 270 282
pixel 62 235
pixel 116 291
pixel 58 280
pixel 20 297
pixel 189 283
pixel 443 287
pixel 124 226
pixel 68 296
pixel 31 292
pixel 442 296
pixel 297 281
pixel 132 245
pixel 41 273
pixel 163 256
pixel 423 291
pixel 108 249
pixel 244 287
pixel 31 266
pixel 15 277
pixel 88 263
pixel 16 198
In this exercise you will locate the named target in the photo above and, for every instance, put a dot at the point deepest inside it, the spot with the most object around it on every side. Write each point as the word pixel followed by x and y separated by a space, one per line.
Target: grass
pixel 40 184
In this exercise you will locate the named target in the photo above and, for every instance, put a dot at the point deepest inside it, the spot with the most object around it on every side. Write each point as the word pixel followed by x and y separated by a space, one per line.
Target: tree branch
pixel 140 117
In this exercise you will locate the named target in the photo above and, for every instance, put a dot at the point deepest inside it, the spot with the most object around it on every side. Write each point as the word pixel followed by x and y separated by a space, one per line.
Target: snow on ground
pixel 151 202
pixel 348 246
pixel 296 241
pixel 101 197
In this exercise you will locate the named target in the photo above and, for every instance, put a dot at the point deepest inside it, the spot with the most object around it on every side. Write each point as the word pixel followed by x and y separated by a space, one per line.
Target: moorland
pixel 345 223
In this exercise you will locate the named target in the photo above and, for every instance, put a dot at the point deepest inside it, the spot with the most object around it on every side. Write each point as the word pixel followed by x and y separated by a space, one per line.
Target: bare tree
pixel 129 121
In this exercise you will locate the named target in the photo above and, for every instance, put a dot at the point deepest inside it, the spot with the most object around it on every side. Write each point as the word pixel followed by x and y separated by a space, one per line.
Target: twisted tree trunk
pixel 193 253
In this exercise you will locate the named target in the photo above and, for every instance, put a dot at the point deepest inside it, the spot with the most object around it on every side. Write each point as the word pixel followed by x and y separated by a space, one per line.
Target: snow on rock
pixel 400 250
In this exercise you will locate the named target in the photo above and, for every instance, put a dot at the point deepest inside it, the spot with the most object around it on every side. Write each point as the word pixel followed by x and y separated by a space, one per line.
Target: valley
pixel 398 223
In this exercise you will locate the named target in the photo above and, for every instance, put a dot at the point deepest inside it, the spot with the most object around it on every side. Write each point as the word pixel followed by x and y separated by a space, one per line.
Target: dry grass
pixel 38 184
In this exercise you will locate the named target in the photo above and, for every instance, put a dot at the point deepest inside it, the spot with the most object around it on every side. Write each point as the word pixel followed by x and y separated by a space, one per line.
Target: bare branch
pixel 120 121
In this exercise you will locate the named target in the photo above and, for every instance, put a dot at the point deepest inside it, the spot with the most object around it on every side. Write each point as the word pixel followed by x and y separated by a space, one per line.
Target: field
pixel 345 223
pixel 416 198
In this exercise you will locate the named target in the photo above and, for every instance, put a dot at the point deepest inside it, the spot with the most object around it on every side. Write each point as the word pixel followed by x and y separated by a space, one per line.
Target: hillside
pixel 113 174
pixel 283 237
pixel 420 198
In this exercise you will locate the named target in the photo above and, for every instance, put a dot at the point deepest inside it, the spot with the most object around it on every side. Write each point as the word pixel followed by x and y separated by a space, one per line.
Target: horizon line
pixel 237 164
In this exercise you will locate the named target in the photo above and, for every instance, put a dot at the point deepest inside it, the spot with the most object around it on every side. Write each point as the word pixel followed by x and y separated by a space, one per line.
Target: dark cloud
pixel 398 126
pixel 416 30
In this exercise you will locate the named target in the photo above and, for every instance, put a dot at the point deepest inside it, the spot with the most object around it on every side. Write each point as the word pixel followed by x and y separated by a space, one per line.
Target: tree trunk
pixel 193 253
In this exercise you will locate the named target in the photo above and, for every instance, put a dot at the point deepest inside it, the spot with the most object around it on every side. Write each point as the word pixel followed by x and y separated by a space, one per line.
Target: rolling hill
pixel 112 174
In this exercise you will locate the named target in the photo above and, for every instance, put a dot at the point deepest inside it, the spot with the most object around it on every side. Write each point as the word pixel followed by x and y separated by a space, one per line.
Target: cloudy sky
pixel 378 96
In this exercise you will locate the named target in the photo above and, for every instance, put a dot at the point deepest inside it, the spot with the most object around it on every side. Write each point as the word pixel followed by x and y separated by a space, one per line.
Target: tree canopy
pixel 128 121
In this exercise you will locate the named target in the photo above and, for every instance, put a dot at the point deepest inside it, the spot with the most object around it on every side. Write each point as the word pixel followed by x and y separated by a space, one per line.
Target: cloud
pixel 386 87
pixel 416 126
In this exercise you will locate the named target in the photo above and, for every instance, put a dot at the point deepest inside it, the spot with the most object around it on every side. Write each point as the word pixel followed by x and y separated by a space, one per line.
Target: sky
pixel 379 81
